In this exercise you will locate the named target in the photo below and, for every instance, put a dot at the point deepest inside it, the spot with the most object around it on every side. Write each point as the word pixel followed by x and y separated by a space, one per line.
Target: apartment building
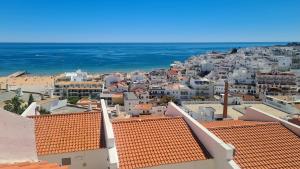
pixel 80 89
pixel 275 83
pixel 201 87
pixel 130 101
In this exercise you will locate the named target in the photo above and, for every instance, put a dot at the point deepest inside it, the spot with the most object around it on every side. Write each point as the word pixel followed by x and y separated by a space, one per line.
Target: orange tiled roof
pixel 34 165
pixel 230 123
pixel 155 141
pixel 144 106
pixel 63 133
pixel 260 145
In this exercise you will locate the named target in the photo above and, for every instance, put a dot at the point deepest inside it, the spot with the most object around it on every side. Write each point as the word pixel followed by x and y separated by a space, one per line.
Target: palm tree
pixel 15 105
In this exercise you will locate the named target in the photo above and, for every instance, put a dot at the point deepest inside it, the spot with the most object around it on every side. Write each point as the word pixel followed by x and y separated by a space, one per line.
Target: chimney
pixel 7 87
pixel 90 108
pixel 51 93
pixel 225 100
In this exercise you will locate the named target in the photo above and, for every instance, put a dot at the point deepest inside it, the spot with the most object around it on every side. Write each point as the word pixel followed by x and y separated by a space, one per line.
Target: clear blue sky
pixel 149 20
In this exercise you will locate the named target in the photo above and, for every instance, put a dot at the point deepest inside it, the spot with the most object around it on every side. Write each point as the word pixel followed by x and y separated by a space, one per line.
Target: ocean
pixel 53 58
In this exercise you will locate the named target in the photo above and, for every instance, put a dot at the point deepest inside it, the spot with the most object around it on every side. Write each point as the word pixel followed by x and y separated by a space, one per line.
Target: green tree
pixel 73 99
pixel 166 99
pixel 30 100
pixel 234 50
pixel 43 111
pixel 15 105
pixel 198 98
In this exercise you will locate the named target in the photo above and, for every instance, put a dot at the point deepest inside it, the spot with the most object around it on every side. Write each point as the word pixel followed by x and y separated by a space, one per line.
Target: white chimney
pixel 117 110
pixel 51 93
pixel 7 87
pixel 90 108
pixel 19 92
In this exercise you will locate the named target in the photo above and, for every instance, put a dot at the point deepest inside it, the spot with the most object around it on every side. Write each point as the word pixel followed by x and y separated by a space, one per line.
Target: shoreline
pixel 110 67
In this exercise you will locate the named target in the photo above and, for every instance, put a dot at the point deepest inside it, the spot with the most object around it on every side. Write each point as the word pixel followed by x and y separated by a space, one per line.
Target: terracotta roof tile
pixel 68 132
pixel 155 141
pixel 230 123
pixel 32 165
pixel 143 106
pixel 260 145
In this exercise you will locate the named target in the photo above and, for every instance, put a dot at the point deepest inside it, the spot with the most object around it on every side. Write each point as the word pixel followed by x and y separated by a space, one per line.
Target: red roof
pixel 155 141
pixel 73 132
pixel 230 123
pixel 259 145
pixel 32 165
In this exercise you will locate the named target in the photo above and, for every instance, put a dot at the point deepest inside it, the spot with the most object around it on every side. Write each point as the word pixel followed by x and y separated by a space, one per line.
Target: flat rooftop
pixel 130 96
pixel 236 111
pixel 218 107
pixel 68 109
pixel 4 95
pixel 265 108
pixel 28 83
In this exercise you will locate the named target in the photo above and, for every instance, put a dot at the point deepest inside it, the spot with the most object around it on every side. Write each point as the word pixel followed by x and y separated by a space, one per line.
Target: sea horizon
pixel 50 58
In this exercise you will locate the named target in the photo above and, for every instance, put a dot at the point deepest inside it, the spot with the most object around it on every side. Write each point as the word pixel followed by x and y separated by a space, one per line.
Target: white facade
pixel 17 138
pixel 203 114
pixel 242 89
pixel 232 100
pixel 77 76
pixel 130 101
pixel 178 91
pixel 219 86
pixel 284 63
pixel 89 159
pixel 201 87
pixel 242 76
pixel 158 110
pixel 138 77
pixel 283 105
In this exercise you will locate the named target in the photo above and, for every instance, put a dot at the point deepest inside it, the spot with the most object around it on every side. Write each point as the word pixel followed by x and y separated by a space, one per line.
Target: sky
pixel 149 20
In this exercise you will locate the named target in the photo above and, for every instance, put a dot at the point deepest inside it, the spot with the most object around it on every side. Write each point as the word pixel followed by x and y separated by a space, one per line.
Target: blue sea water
pixel 52 58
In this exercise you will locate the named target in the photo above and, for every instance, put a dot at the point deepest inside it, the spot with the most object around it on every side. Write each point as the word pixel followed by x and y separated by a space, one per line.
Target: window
pixel 66 161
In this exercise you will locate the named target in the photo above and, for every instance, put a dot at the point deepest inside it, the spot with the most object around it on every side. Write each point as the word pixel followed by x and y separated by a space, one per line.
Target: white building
pixel 288 104
pixel 274 83
pixel 77 89
pixel 242 76
pixel 77 76
pixel 130 101
pixel 284 63
pixel 219 86
pixel 158 76
pixel 201 87
pixel 242 89
pixel 113 78
pixel 137 77
pixel 203 114
pixel 178 91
